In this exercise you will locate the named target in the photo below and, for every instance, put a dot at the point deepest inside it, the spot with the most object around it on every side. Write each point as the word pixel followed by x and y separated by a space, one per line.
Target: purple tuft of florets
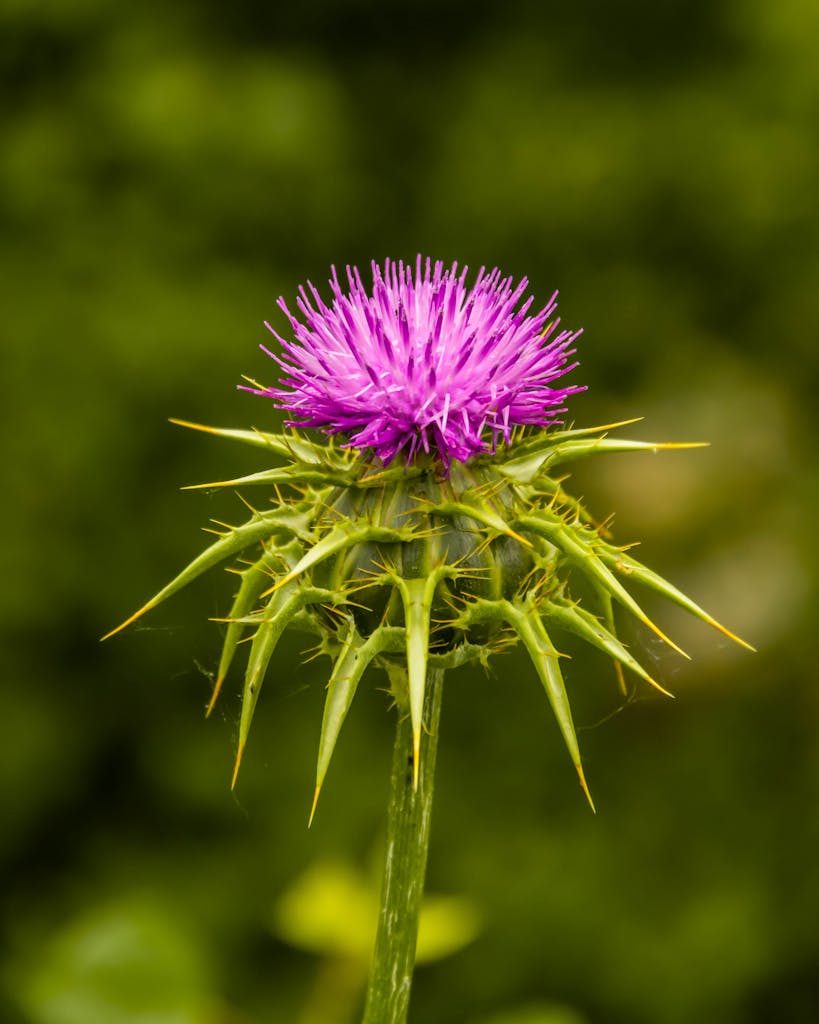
pixel 421 363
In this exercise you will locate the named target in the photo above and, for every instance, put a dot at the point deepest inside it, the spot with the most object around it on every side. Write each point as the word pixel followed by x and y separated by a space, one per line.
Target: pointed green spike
pixel 417 609
pixel 260 527
pixel 560 499
pixel 397 471
pixel 282 475
pixel 280 610
pixel 525 468
pixel 551 451
pixel 480 514
pixel 552 438
pixel 607 614
pixel 572 450
pixel 285 445
pixel 628 566
pixel 343 535
pixel 527 624
pixel 254 580
pixel 584 625
pixel 417 596
pixel 587 561
pixel 572 433
pixel 348 669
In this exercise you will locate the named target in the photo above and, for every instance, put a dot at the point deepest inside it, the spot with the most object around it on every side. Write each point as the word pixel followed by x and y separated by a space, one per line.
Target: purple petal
pixel 421 363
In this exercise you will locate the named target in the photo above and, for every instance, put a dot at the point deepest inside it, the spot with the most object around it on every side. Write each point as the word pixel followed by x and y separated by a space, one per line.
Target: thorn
pixel 373 476
pixel 511 533
pixel 585 788
pixel 219 522
pixel 247 504
pixel 237 765
pixel 656 629
pixel 313 808
pixel 728 633
pixel 662 689
pixel 213 697
pixel 287 579
pixel 614 426
pixel 193 426
pixel 668 445
pixel 128 621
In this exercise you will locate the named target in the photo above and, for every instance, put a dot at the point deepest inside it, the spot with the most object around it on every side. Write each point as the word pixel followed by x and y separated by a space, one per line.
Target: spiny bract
pixel 449 553
pixel 402 568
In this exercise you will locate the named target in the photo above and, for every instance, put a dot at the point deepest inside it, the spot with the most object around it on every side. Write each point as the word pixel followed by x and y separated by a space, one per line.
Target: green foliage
pixel 129 962
pixel 331 910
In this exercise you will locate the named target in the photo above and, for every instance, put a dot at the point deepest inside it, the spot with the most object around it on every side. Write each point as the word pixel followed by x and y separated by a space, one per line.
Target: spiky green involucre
pixel 404 567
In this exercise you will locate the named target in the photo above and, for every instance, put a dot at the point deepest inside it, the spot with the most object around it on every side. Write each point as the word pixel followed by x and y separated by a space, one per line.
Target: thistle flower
pixel 420 363
pixel 430 528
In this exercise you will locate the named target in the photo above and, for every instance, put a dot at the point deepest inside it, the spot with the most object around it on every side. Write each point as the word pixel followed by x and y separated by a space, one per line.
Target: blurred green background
pixel 166 171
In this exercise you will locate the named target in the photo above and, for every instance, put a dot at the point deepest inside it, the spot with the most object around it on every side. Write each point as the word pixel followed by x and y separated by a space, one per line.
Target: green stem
pixel 408 822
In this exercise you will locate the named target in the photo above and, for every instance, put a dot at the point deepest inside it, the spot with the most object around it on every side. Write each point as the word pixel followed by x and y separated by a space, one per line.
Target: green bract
pixel 404 568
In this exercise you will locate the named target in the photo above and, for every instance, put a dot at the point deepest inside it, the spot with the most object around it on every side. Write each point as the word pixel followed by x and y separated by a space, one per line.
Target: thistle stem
pixel 408 821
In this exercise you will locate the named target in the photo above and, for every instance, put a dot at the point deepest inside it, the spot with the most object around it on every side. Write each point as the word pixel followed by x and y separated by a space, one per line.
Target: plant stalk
pixel 408 821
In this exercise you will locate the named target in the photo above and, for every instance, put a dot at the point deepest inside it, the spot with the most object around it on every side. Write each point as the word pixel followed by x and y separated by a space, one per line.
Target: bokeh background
pixel 166 171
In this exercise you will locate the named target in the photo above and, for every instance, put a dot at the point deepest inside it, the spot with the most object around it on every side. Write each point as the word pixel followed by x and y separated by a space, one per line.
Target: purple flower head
pixel 421 362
